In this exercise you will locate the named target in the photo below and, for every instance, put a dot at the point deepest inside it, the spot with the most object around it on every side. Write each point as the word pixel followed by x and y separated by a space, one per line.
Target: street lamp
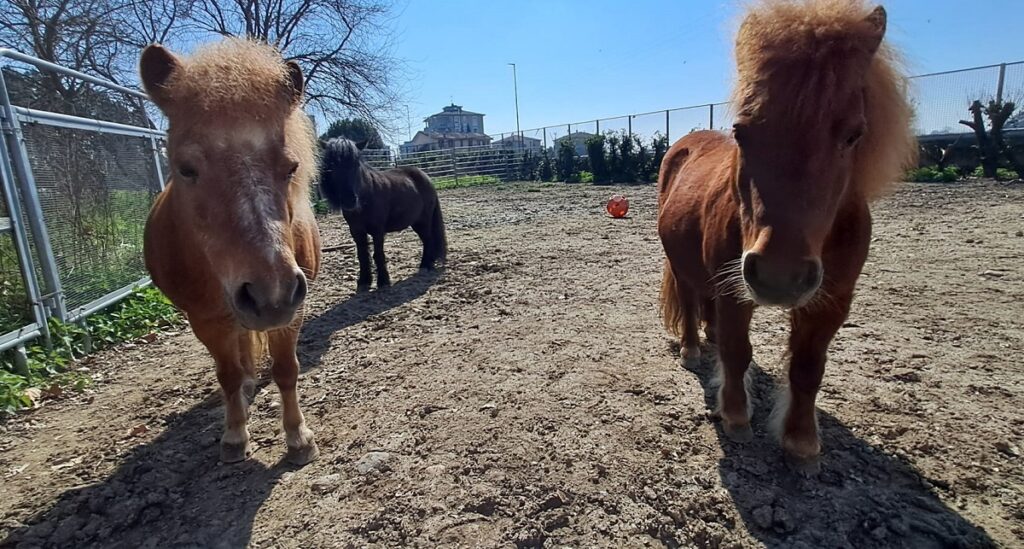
pixel 515 86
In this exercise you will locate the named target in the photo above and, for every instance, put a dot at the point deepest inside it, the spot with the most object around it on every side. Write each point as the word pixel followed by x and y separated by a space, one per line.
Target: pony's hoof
pixel 234 452
pixel 363 287
pixel 738 433
pixel 303 455
pixel 383 284
pixel 691 354
pixel 807 466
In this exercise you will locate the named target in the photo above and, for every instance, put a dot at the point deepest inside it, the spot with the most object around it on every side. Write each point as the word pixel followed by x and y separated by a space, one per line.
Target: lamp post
pixel 515 87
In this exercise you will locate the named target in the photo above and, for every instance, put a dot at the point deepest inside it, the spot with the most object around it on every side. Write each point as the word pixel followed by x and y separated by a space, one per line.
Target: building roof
pixel 520 138
pixel 455 109
pixel 576 134
pixel 427 137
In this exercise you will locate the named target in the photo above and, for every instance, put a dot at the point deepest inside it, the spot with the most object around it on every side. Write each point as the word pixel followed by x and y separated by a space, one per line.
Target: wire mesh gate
pixel 77 187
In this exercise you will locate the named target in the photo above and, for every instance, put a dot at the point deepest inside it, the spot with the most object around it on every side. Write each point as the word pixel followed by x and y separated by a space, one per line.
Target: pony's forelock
pixel 824 40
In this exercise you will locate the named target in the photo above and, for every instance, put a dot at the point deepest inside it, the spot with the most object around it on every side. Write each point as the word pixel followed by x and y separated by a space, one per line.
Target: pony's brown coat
pixel 235 209
pixel 822 106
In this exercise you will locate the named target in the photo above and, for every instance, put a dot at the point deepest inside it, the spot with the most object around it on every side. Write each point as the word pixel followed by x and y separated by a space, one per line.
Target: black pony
pixel 375 202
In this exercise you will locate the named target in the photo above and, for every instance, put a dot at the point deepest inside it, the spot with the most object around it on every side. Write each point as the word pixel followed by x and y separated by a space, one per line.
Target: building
pixel 451 128
pixel 578 140
pixel 519 143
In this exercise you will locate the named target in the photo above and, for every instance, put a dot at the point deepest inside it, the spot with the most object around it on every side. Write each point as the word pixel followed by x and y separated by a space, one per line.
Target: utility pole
pixel 515 87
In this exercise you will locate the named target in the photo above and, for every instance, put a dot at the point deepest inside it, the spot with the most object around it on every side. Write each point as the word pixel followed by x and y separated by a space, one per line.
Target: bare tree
pixel 991 144
pixel 342 46
pixel 77 34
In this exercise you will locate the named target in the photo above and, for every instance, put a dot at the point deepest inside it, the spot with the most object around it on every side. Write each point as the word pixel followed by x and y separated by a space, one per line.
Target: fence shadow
pixel 173 491
pixel 861 498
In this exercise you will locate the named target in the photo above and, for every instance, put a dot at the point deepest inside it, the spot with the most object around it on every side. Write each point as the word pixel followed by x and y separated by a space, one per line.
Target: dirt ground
pixel 528 396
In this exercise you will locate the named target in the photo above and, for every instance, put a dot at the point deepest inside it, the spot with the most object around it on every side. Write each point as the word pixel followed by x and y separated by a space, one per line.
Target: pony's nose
pixel 269 303
pixel 775 282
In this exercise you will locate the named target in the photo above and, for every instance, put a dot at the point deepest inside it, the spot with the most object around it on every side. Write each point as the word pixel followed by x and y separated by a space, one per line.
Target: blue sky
pixel 580 60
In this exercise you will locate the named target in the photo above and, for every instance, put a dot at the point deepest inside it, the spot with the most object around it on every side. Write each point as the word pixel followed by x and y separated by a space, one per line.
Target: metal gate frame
pixel 46 297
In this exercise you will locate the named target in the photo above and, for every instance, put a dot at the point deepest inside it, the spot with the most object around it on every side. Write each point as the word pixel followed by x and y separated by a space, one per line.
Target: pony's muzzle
pixel 269 303
pixel 784 283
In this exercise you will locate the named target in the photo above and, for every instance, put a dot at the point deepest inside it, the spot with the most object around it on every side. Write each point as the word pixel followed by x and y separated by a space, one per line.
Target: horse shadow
pixel 172 492
pixel 315 339
pixel 861 498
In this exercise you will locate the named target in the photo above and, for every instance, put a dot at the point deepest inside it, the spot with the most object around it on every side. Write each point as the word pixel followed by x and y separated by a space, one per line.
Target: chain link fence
pixel 79 176
pixel 80 168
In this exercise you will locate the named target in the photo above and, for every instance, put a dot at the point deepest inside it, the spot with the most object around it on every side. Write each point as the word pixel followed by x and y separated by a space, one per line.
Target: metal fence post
pixel 20 237
pixel 455 167
pixel 156 162
pixel 999 85
pixel 667 134
pixel 544 130
pixel 23 168
pixel 629 125
pixel 597 126
pixel 711 112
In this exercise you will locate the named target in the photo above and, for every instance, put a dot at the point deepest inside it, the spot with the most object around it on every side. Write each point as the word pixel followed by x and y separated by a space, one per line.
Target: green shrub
pixel 144 313
pixel 933 174
pixel 458 182
pixel 1002 174
pixel 586 177
pixel 566 160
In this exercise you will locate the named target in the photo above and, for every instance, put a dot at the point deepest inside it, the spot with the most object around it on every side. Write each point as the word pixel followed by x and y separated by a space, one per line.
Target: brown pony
pixel 232 238
pixel 777 213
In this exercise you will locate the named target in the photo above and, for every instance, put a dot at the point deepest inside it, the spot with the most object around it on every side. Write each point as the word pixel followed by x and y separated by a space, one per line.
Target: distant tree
pixel 991 145
pixel 355 129
pixel 566 159
pixel 546 171
pixel 598 163
pixel 343 47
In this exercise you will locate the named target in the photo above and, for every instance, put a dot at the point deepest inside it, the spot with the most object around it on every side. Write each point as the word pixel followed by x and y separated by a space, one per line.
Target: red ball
pixel 618 206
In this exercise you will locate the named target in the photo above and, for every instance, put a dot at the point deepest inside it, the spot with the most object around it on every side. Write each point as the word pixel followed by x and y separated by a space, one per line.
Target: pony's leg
pixel 812 330
pixel 734 354
pixel 707 310
pixel 688 300
pixel 383 279
pixel 302 447
pixel 429 254
pixel 247 359
pixel 363 253
pixel 223 343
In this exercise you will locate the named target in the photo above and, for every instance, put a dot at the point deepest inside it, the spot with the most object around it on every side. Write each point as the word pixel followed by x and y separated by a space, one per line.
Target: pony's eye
pixel 854 138
pixel 293 169
pixel 188 172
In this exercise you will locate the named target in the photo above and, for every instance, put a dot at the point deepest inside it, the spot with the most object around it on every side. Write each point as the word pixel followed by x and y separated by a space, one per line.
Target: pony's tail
pixel 437 233
pixel 671 311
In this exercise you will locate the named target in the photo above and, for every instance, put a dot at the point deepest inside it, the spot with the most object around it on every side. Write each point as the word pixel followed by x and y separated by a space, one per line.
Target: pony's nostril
pixel 245 300
pixel 300 291
pixel 812 275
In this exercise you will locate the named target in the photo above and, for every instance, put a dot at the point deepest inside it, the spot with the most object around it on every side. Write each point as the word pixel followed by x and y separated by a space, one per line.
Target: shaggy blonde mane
pixel 237 78
pixel 803 56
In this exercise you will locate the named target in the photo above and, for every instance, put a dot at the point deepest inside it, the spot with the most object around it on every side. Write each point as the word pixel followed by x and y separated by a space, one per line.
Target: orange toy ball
pixel 618 206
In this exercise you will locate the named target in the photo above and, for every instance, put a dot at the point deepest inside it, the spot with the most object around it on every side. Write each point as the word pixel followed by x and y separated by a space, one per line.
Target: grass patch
pixel 142 315
pixel 933 174
pixel 462 181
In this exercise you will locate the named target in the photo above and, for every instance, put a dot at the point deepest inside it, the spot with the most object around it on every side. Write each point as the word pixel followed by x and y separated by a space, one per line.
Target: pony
pixel 777 213
pixel 375 202
pixel 232 240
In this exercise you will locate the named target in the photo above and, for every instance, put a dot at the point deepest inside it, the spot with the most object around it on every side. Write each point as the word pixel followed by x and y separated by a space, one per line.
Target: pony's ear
pixel 297 83
pixel 361 144
pixel 322 143
pixel 156 66
pixel 876 22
